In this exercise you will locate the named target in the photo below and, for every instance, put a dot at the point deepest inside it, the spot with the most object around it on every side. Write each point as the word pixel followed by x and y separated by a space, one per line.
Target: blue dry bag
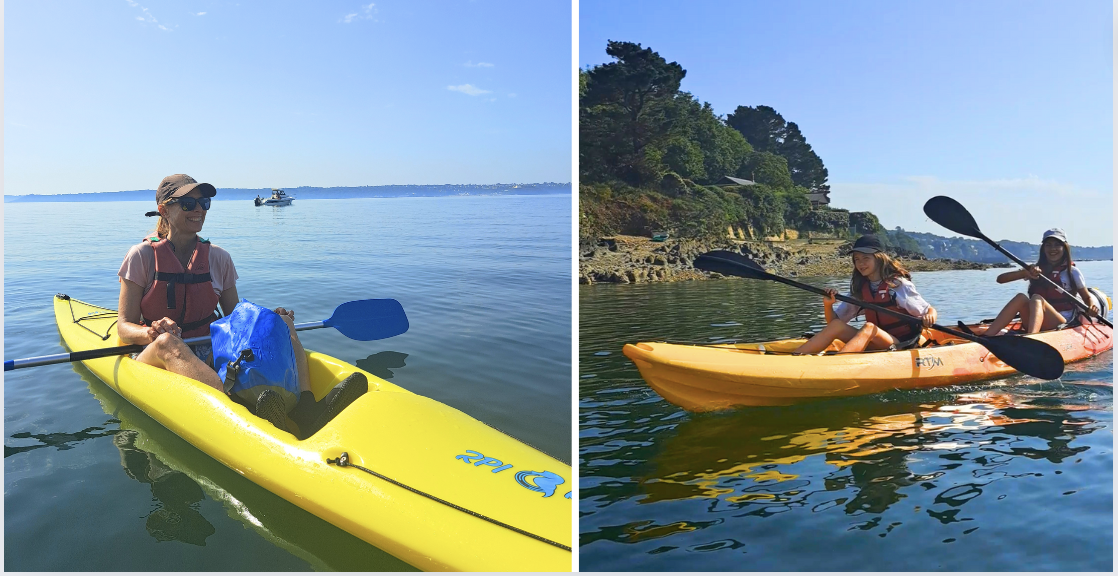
pixel 271 364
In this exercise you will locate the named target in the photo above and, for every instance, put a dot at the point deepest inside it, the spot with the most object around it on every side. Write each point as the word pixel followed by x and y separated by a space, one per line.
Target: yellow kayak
pixel 721 376
pixel 424 482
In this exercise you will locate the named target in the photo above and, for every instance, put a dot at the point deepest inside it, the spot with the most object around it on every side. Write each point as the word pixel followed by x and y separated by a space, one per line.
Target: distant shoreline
pixel 321 193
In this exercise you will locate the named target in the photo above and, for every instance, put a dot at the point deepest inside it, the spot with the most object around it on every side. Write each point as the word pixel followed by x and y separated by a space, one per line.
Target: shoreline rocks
pixel 635 259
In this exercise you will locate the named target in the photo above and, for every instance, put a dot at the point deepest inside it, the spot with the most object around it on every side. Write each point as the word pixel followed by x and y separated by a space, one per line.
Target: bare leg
pixel 171 354
pixel 1045 316
pixel 304 373
pixel 868 337
pixel 300 361
pixel 834 329
pixel 1019 304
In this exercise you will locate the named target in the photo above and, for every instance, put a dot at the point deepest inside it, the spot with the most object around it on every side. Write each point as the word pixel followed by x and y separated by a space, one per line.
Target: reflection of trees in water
pixel 752 463
pixel 178 495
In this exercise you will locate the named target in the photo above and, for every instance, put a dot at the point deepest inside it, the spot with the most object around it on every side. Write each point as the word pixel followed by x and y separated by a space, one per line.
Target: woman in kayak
pixel 170 287
pixel 1044 307
pixel 879 279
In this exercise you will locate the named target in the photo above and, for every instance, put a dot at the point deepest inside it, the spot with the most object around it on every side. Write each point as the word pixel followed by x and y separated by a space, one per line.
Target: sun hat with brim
pixel 177 185
pixel 868 244
pixel 1054 233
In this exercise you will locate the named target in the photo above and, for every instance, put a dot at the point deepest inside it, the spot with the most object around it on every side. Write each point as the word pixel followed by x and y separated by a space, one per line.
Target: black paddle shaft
pixel 950 214
pixel 874 307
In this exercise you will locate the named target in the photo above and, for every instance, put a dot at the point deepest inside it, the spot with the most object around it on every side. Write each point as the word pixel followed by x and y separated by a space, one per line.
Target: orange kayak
pixel 701 378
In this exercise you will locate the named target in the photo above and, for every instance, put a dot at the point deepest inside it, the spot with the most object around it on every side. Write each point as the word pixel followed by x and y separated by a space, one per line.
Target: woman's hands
pixel 929 317
pixel 1032 272
pixel 162 326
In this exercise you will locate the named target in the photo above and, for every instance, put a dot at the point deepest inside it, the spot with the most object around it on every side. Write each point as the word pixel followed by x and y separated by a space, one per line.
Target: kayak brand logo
pixel 928 362
pixel 482 461
pixel 545 482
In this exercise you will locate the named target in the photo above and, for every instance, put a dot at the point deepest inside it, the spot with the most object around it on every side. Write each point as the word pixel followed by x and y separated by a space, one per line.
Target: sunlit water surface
pixel 1014 474
pixel 91 483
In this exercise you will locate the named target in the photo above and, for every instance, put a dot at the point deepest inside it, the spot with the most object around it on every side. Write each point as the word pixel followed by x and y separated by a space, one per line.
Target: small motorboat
pixel 279 198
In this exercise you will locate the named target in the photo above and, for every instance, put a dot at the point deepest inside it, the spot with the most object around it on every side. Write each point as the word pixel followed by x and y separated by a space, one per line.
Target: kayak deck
pixel 415 441
pixel 715 377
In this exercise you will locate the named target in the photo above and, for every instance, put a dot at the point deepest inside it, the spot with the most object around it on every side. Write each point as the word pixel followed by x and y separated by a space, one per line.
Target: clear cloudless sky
pixel 1006 106
pixel 116 94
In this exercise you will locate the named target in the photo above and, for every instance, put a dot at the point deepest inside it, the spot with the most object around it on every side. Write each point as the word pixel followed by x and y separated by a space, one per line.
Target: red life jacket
pixel 1054 297
pixel 900 329
pixel 185 296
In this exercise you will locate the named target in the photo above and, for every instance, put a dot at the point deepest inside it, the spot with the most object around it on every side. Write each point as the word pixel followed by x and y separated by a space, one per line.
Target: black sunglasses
pixel 187 203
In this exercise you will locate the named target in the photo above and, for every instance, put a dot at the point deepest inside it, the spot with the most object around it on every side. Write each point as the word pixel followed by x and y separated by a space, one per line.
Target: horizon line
pixel 301 186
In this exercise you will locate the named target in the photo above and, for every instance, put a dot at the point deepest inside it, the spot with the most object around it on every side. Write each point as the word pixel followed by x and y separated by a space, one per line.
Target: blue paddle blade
pixel 369 319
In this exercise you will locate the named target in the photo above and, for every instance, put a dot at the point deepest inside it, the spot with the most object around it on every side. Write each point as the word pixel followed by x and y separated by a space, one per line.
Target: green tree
pixel 627 108
pixel 804 164
pixel 796 206
pixel 767 168
pixel 767 131
pixel 685 158
pixel 762 126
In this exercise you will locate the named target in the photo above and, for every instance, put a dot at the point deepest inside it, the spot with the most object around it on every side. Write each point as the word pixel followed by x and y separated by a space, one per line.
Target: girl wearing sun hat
pixel 879 279
pixel 1045 307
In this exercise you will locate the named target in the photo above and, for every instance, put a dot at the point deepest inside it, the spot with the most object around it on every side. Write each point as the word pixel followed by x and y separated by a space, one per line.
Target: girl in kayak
pixel 1044 307
pixel 879 279
pixel 170 287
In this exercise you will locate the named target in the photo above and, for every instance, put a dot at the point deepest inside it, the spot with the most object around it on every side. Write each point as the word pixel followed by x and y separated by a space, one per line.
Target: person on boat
pixel 171 285
pixel 1043 307
pixel 880 280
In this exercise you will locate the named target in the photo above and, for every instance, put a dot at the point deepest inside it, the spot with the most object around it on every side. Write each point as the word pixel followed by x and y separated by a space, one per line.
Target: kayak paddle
pixel 1026 355
pixel 952 215
pixel 359 320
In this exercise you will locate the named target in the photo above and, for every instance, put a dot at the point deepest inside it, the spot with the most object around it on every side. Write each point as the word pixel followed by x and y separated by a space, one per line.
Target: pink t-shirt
pixel 139 267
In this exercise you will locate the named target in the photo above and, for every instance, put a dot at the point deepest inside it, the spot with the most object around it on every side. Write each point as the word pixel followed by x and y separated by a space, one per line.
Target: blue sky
pixel 1005 106
pixel 115 95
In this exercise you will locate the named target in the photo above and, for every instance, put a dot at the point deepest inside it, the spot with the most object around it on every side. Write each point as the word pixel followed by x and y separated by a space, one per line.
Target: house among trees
pixel 819 198
pixel 816 198
pixel 731 181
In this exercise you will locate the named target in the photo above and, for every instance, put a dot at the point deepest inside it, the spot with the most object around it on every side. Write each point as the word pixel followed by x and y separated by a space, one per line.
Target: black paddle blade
pixel 730 264
pixel 1027 355
pixel 951 215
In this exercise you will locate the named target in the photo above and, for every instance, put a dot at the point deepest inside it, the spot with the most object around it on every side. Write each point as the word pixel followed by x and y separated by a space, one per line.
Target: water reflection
pixel 58 440
pixel 881 482
pixel 379 364
pixel 860 457
pixel 177 518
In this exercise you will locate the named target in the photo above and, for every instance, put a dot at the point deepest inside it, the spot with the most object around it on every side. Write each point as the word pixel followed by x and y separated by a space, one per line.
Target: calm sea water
pixel 91 483
pixel 1009 475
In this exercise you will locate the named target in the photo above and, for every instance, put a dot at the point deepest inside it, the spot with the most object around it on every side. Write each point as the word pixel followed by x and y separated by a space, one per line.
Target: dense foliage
pixel 653 157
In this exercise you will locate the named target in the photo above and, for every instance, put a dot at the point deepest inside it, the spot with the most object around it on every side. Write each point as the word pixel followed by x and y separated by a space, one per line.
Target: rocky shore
pixel 635 259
